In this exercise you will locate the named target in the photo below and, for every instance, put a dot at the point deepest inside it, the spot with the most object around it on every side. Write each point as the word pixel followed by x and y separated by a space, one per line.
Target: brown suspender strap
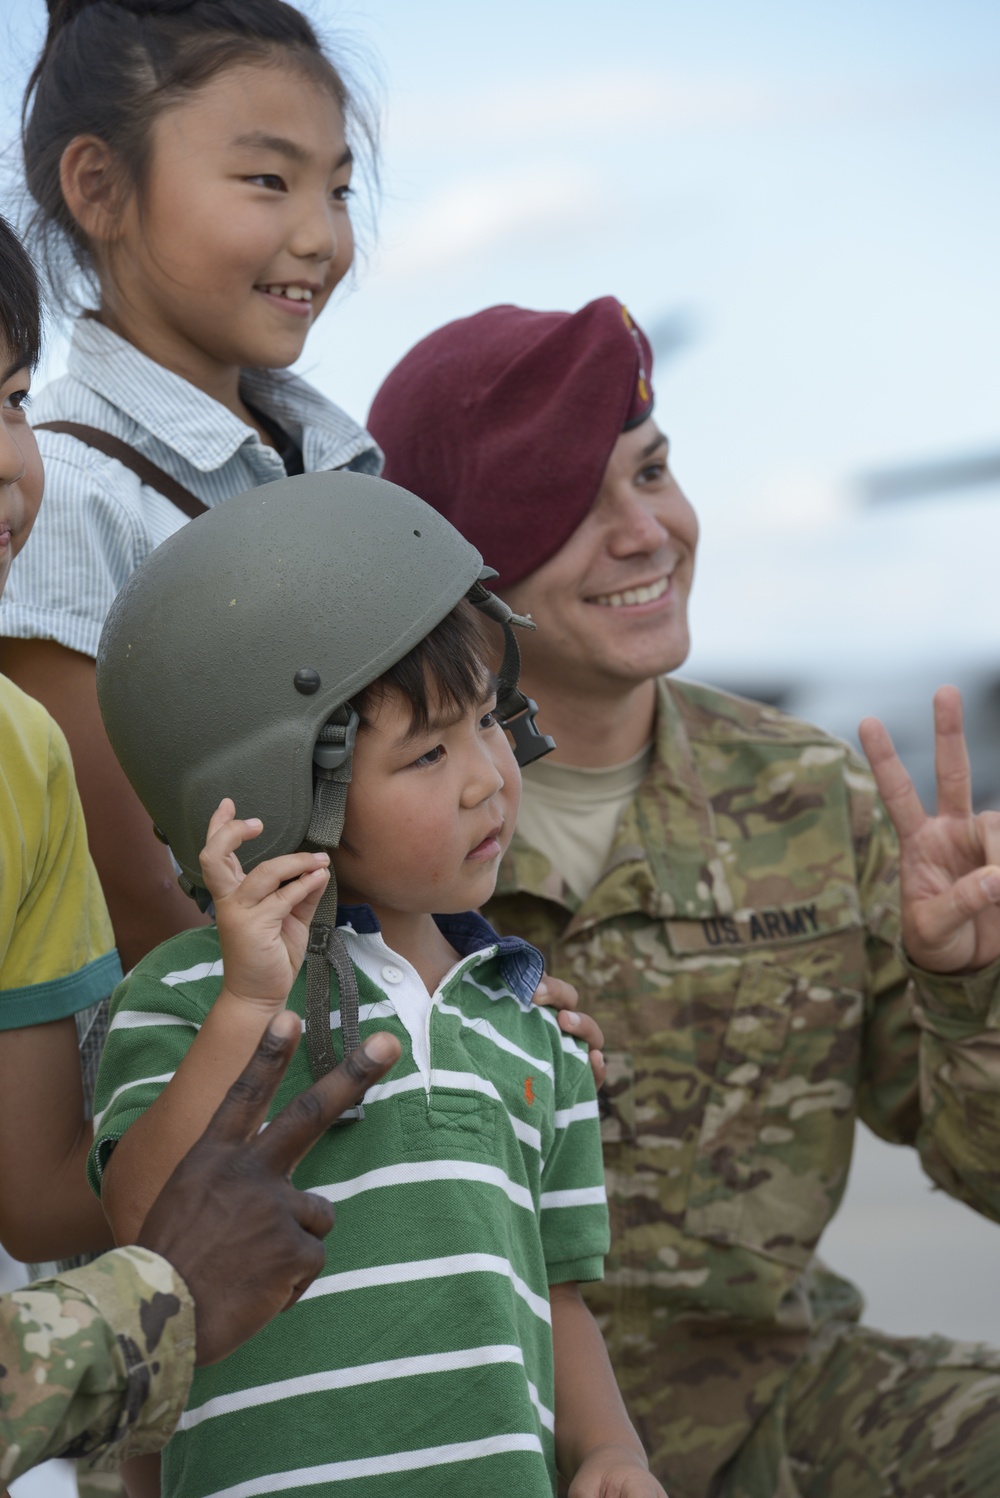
pixel 114 447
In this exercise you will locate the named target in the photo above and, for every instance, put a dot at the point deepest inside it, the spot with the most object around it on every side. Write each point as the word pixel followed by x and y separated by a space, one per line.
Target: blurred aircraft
pixel 891 596
pixel 890 593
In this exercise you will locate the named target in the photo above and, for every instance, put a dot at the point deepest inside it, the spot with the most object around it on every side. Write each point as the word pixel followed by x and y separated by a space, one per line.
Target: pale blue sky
pixel 813 187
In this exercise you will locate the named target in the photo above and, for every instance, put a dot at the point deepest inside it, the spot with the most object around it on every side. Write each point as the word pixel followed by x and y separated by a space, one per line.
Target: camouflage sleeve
pixel 889 1097
pixel 931 1060
pixel 95 1363
pixel 959 1141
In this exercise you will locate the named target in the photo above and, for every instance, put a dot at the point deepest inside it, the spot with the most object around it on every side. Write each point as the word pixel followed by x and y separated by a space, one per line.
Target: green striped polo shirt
pixel 420 1362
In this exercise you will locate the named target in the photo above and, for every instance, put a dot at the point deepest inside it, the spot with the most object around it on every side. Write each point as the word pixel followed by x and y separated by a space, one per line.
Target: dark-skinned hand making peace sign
pixel 244 1240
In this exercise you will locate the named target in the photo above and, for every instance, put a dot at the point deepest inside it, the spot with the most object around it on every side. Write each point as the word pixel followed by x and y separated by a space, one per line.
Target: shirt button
pixel 392 974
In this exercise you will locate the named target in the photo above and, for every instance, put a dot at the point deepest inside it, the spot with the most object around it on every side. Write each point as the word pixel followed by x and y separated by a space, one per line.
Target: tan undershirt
pixel 570 814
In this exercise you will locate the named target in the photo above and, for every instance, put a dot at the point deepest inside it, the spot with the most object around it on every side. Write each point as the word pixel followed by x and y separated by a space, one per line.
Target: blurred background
pixel 800 204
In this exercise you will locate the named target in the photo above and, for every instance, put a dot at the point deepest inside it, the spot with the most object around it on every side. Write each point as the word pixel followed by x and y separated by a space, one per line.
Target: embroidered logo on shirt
pixel 529 1091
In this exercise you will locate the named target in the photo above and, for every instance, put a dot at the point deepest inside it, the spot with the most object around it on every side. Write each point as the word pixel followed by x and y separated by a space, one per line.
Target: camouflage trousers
pixel 865 1415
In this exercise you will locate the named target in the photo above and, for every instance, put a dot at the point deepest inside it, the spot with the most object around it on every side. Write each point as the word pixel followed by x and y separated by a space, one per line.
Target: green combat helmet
pixel 228 660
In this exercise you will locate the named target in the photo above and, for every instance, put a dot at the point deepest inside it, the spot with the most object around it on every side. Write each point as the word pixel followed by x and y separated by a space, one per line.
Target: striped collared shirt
pixel 98 521
pixel 421 1361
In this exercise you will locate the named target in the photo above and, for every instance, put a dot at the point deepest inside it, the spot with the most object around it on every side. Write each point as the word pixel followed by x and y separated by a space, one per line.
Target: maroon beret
pixel 505 422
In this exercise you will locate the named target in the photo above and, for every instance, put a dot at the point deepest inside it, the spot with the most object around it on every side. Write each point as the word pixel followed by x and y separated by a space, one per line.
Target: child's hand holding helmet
pixel 263 917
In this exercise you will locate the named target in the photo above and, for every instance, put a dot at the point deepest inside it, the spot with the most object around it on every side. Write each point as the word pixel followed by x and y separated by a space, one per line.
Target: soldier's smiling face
pixel 611 605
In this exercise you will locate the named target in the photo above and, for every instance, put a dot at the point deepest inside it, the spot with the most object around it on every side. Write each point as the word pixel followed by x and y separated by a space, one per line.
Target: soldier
pixel 98 1361
pixel 722 883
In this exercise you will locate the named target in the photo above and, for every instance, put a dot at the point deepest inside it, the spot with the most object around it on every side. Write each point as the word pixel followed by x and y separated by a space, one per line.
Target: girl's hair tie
pixel 155 7
pixel 62 12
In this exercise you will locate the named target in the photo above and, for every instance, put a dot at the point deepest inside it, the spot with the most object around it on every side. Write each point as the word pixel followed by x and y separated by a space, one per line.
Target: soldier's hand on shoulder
pixel 554 993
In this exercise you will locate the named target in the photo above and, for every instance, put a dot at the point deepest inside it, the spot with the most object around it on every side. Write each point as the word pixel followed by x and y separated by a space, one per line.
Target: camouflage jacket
pixel 740 952
pixel 96 1363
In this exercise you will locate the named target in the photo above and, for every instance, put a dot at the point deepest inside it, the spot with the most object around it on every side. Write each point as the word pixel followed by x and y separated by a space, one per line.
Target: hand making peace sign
pixel 950 863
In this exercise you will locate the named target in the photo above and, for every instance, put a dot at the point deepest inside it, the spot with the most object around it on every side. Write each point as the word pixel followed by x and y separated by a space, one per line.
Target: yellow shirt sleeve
pixel 57 952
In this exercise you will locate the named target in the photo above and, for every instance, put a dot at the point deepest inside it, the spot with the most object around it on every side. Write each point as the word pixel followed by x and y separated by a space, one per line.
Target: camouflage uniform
pixel 740 952
pixel 95 1363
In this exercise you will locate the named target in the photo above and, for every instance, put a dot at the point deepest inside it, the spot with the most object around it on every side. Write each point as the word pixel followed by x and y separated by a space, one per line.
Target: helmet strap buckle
pixel 528 740
pixel 333 753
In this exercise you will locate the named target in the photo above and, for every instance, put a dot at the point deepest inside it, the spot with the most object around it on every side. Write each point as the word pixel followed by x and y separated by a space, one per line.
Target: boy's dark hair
pixel 20 308
pixel 109 67
pixel 449 669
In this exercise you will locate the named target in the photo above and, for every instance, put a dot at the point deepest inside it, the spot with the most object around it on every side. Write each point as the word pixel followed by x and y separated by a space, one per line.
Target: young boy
pixel 314 651
pixel 57 952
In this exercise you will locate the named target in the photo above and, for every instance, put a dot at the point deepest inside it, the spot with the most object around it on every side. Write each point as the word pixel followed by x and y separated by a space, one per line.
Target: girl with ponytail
pixel 189 167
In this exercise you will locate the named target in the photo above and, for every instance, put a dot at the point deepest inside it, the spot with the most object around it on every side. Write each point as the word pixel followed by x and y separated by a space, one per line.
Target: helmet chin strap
pixel 332 762
pixel 515 711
